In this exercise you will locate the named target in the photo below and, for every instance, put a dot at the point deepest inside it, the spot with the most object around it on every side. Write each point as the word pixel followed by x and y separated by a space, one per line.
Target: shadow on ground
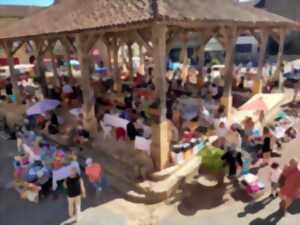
pixel 254 208
pixel 239 194
pixel 275 217
pixel 198 197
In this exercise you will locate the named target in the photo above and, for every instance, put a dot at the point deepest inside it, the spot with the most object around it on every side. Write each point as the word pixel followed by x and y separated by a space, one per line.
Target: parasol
pixel 256 105
pixel 42 107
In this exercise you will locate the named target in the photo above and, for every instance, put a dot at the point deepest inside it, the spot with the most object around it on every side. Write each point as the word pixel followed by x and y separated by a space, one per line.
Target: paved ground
pixel 211 207
pixel 198 206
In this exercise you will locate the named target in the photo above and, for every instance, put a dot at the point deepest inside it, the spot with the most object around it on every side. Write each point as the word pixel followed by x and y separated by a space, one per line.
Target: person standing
pixel 233 138
pixel 8 87
pixel 94 173
pixel 289 184
pixel 131 130
pixel 230 161
pixel 75 191
pixel 274 178
pixel 266 147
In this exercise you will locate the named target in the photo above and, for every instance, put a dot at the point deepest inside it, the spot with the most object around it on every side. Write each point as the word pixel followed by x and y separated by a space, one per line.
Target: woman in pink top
pixel 290 190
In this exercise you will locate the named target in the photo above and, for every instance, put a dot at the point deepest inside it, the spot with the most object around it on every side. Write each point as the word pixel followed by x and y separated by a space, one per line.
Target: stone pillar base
pixel 90 123
pixel 257 87
pixel 160 147
pixel 227 102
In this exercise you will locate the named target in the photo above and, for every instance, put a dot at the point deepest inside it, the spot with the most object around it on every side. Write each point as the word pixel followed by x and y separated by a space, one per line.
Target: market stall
pixel 40 165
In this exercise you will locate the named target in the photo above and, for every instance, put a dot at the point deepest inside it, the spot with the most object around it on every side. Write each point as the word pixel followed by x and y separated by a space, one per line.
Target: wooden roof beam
pixel 92 40
pixel 68 44
pixel 19 45
pixel 205 36
pixel 141 40
pixel 276 34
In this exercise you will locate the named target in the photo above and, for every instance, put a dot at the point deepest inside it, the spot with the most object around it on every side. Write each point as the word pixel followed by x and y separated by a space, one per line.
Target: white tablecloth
pixel 143 144
pixel 63 173
pixel 115 121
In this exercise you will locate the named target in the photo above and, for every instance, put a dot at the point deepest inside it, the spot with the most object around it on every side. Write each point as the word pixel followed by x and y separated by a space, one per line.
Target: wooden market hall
pixel 153 24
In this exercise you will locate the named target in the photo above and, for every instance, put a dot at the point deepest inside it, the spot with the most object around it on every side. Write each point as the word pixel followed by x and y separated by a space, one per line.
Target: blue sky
pixel 26 2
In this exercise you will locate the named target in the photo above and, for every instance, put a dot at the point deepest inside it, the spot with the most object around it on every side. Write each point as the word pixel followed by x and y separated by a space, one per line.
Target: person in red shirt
pixel 94 174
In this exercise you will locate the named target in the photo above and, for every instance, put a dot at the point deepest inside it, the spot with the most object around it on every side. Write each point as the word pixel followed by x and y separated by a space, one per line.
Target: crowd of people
pixel 194 113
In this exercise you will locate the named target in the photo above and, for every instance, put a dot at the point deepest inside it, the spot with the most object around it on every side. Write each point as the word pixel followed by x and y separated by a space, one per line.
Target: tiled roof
pixel 17 11
pixel 217 10
pixel 77 15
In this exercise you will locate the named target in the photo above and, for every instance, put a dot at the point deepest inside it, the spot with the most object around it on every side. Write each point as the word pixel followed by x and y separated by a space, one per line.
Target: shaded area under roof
pixel 78 15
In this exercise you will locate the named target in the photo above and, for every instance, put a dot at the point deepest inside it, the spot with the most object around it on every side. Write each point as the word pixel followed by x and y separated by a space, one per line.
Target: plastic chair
pixel 120 133
pixel 106 130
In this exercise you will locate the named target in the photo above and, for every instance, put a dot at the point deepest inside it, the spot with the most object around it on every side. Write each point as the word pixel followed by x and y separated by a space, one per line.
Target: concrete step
pixel 121 177
pixel 128 192
pixel 164 174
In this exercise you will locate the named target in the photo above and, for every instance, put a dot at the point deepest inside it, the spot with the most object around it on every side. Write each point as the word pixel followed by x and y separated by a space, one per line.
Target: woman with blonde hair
pixel 289 184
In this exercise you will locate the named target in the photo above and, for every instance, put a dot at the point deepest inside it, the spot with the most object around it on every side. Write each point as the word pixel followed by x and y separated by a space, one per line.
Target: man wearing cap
pixel 94 173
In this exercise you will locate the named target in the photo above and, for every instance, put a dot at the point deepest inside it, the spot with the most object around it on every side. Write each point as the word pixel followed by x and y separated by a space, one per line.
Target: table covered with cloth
pixel 63 173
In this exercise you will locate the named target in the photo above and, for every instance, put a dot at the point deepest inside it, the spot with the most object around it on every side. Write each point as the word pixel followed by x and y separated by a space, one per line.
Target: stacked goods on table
pixel 282 128
pixel 186 148
pixel 39 165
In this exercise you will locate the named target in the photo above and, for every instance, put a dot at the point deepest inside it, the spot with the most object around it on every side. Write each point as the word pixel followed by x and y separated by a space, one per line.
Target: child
pixel 274 178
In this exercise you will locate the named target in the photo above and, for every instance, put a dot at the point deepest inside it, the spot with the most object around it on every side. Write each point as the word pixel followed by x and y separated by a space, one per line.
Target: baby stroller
pixel 252 186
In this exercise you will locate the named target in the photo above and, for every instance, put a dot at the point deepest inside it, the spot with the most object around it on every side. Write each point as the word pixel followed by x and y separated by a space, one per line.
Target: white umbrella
pixel 42 107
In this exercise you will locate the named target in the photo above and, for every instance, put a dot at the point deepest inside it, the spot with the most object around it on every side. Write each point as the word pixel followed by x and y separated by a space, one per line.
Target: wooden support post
pixel 69 65
pixel 142 59
pixel 230 42
pixel 8 48
pixel 109 57
pixel 278 71
pixel 258 82
pixel 201 56
pixel 54 63
pixel 130 59
pixel 184 57
pixel 116 72
pixel 89 115
pixel 160 148
pixel 39 65
pixel 69 47
pixel 204 37
pixel 103 52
